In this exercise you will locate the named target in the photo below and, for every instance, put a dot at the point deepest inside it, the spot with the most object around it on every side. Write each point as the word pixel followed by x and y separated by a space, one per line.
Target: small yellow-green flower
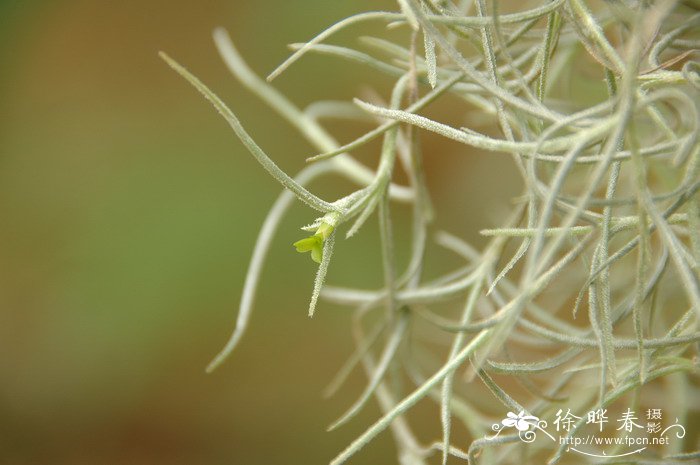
pixel 314 244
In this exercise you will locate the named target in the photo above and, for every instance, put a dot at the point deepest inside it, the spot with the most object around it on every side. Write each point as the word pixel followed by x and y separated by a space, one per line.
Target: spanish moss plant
pixel 585 302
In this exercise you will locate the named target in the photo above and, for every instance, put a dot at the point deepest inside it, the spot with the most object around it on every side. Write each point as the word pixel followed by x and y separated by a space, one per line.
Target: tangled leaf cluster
pixel 608 223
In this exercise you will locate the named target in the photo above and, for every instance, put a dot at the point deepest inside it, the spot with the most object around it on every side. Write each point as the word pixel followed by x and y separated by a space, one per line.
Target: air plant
pixel 588 295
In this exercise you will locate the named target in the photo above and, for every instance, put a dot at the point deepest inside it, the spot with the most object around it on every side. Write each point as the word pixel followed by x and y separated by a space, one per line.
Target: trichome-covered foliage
pixel 588 295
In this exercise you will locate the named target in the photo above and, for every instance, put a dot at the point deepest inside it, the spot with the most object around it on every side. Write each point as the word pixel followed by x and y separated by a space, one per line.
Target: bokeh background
pixel 128 212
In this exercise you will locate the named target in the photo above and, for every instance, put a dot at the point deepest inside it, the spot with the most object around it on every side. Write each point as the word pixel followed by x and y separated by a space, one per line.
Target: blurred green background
pixel 128 215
